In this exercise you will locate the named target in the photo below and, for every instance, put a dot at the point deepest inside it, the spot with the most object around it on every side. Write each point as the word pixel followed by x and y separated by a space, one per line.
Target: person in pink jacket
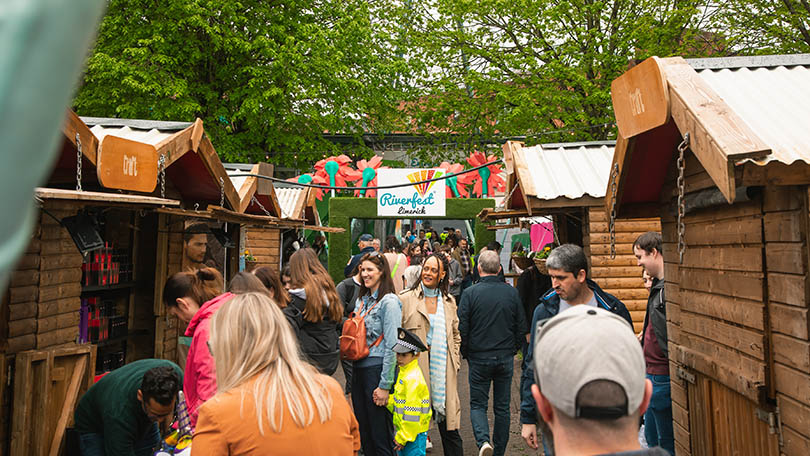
pixel 194 297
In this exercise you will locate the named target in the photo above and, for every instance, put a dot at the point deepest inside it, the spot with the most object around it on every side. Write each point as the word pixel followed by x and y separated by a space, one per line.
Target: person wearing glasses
pixel 119 414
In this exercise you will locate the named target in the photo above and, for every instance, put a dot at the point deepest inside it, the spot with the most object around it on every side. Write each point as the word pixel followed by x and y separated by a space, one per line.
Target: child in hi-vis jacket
pixel 410 402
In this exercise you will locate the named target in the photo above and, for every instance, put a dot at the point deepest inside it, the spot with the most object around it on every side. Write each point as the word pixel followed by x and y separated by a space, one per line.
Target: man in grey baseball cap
pixel 590 386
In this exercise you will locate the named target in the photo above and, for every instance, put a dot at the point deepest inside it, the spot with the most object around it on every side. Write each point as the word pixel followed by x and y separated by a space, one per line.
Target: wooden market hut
pixel 293 207
pixel 48 357
pixel 737 298
pixel 567 182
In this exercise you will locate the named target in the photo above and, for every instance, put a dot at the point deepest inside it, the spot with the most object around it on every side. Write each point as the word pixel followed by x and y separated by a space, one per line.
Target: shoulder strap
pixel 394 271
pixel 369 309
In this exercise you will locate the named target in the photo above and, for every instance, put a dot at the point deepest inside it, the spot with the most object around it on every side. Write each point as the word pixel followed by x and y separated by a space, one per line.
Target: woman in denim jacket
pixel 373 376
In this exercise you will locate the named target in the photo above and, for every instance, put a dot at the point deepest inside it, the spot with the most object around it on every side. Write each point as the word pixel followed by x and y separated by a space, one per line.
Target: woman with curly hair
pixel 429 311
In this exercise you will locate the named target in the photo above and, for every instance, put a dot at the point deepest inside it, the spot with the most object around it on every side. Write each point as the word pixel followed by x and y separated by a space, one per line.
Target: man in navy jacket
pixel 568 269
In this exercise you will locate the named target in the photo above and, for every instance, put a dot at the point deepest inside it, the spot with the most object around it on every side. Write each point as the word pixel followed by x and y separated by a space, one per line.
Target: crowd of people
pixel 258 375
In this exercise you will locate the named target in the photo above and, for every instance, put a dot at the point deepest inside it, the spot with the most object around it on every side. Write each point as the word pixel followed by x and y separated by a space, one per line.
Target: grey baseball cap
pixel 365 237
pixel 584 344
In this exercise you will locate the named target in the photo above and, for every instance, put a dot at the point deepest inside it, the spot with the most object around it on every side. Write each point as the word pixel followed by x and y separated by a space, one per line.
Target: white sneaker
pixel 429 445
pixel 486 450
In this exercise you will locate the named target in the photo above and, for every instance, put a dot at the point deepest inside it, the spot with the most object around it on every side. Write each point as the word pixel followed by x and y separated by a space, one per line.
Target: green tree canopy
pixel 528 67
pixel 268 78
pixel 764 26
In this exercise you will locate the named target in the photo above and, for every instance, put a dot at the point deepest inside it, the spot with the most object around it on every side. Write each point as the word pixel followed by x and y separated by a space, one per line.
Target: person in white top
pixel 397 262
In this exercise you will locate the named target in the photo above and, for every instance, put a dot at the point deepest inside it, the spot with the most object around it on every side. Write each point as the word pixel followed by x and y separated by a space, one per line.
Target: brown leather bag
pixel 353 345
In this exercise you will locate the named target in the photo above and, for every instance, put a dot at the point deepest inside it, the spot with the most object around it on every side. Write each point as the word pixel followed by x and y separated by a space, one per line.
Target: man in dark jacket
pixel 492 326
pixel 365 242
pixel 493 246
pixel 531 286
pixel 658 418
pixel 568 269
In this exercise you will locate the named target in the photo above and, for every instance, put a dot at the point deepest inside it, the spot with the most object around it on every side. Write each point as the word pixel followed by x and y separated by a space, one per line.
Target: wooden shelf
pixel 102 288
pixel 115 340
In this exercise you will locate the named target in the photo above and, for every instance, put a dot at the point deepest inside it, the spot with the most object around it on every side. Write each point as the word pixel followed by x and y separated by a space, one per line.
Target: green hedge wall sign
pixel 343 209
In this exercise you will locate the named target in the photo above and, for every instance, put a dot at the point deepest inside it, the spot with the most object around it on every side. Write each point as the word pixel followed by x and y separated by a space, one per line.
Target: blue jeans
pixel 93 444
pixel 658 418
pixel 376 424
pixel 498 372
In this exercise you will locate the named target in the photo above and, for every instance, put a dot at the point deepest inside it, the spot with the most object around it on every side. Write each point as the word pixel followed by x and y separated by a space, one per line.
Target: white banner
pixel 424 200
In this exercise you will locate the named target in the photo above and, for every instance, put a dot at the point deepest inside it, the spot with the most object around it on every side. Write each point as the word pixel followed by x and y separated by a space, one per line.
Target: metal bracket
pixel 684 374
pixel 772 418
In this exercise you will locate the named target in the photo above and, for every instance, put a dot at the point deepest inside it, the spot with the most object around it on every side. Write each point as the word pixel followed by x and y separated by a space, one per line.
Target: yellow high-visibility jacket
pixel 410 403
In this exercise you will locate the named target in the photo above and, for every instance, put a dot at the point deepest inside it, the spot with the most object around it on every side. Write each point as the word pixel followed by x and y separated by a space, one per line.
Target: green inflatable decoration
pixel 484 173
pixel 332 168
pixel 304 179
pixel 368 175
pixel 452 182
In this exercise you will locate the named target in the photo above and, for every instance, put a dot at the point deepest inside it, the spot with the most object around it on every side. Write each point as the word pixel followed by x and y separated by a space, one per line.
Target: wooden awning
pixel 111 199
pixel 554 178
pixel 191 162
pixel 257 195
pixel 656 103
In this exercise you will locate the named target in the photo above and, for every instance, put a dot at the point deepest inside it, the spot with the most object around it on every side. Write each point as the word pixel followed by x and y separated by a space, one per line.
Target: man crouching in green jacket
pixel 119 414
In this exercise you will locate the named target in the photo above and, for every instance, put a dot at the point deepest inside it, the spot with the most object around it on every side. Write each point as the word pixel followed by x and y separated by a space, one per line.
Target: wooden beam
pixel 509 148
pixel 113 198
pixel 718 136
pixel 774 173
pixel 640 98
pixel 176 145
pixel 68 406
pixel 503 227
pixel 524 177
pixel 247 191
pixel 196 134
pixel 622 153
pixel 490 213
pixel 74 125
pixel 211 161
pixel 540 207
pixel 265 187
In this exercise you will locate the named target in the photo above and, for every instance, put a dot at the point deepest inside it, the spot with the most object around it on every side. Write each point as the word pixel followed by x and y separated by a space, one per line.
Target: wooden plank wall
pixel 264 244
pixel 786 257
pixel 621 276
pixel 44 289
pixel 170 259
pixel 737 311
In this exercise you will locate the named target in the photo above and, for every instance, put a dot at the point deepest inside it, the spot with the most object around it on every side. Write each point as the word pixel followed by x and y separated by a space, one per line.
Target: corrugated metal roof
pixel 138 124
pixel 239 180
pixel 288 198
pixel 773 101
pixel 144 131
pixel 559 170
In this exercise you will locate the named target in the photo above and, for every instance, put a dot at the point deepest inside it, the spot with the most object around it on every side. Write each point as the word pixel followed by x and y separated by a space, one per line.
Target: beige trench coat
pixel 415 318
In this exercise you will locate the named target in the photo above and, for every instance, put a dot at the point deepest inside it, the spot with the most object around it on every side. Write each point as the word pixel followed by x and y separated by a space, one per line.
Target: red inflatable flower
pixel 461 181
pixel 494 181
pixel 344 174
pixel 311 178
pixel 366 179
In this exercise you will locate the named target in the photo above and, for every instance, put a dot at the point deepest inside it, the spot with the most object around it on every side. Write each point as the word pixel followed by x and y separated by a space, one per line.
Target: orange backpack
pixel 353 345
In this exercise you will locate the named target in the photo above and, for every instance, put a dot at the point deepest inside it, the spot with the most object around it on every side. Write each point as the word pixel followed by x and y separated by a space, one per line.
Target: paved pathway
pixel 516 445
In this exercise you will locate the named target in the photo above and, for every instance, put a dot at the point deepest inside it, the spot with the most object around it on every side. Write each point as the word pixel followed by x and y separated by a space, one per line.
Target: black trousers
pixel 451 440
pixel 376 423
